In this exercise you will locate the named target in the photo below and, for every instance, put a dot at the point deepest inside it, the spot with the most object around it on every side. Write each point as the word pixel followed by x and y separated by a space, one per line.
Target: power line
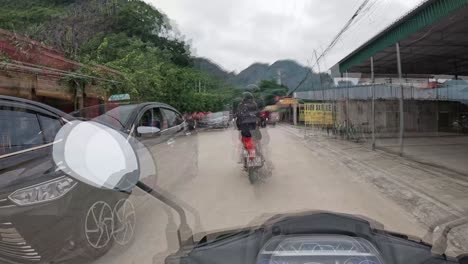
pixel 39 68
pixel 352 35
pixel 333 42
pixel 369 16
pixel 343 30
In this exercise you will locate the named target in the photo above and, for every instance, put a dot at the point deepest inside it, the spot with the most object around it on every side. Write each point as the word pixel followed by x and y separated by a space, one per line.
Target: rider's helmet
pixel 247 96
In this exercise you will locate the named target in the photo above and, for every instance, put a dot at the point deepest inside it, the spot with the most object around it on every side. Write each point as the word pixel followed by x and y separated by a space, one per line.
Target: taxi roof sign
pixel 119 97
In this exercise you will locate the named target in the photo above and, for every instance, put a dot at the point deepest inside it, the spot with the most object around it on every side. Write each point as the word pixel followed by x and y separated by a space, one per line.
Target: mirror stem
pixel 184 229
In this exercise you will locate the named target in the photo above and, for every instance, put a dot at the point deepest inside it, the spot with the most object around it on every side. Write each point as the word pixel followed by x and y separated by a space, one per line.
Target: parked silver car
pixel 215 120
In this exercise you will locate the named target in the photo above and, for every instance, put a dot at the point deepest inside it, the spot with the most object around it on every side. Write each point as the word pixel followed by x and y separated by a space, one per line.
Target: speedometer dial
pixel 319 249
pixel 357 260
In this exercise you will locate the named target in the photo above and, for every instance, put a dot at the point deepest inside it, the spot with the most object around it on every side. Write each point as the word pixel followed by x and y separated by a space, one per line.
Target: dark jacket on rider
pixel 247 112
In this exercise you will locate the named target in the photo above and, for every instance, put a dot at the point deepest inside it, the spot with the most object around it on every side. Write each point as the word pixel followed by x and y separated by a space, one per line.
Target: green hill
pixel 288 72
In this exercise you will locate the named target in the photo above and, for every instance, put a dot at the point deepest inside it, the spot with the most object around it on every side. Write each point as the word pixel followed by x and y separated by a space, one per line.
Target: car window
pixel 19 130
pixel 153 118
pixel 173 118
pixel 179 119
pixel 49 126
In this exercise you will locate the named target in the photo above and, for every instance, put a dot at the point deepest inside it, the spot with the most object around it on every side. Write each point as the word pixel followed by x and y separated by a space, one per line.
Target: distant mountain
pixel 207 66
pixel 251 75
pixel 289 72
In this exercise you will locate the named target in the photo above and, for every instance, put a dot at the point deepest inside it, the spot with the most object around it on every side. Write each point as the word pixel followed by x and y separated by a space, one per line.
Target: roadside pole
pixel 402 121
pixel 373 101
pixel 321 87
pixel 305 122
pixel 305 127
pixel 347 106
pixel 334 113
pixel 437 110
pixel 295 114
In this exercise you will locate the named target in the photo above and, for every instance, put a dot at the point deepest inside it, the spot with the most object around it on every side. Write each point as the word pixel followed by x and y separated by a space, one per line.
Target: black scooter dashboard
pixel 310 238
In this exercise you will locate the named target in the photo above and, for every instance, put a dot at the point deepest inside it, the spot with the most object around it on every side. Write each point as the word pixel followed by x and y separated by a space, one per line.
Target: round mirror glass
pixel 96 155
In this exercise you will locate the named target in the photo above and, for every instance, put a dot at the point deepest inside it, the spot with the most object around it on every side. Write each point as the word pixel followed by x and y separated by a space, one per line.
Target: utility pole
pixel 347 106
pixel 199 86
pixel 373 101
pixel 402 113
pixel 321 87
pixel 437 109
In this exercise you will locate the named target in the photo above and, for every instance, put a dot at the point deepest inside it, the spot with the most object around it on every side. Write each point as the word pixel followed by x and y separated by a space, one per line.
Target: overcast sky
pixel 237 33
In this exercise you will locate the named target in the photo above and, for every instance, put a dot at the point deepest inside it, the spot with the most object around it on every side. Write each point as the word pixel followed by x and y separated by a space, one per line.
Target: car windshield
pixel 246 131
pixel 114 115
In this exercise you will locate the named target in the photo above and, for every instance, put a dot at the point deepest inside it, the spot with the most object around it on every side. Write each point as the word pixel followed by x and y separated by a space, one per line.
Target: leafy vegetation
pixel 130 36
pixel 269 90
pixel 264 93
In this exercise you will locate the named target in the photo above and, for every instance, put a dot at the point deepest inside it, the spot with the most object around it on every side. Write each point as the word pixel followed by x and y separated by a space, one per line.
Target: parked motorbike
pixel 263 117
pixel 192 124
pixel 263 122
pixel 461 125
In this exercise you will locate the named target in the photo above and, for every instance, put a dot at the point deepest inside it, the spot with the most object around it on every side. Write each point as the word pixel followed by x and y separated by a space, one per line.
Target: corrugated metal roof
pixel 421 17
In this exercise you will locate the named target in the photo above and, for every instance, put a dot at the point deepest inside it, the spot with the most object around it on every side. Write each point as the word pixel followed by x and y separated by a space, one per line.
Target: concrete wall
pixel 420 116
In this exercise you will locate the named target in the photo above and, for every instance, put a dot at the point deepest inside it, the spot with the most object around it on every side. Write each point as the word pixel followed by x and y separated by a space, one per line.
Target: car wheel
pixel 125 222
pixel 95 235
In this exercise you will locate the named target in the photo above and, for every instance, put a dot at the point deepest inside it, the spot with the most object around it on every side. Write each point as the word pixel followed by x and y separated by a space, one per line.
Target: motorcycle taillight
pixel 249 145
pixel 251 154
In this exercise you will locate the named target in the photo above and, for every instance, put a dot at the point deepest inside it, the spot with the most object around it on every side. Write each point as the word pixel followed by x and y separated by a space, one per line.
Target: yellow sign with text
pixel 316 114
pixel 288 101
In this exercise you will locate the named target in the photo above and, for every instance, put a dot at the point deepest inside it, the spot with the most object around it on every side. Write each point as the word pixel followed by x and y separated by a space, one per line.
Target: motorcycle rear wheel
pixel 253 175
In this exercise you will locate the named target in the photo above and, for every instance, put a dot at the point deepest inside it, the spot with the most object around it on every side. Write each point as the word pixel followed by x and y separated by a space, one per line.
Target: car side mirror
pixel 147 131
pixel 96 155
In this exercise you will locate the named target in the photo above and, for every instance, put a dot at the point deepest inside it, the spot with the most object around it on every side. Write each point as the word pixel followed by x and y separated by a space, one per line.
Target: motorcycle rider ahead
pixel 247 117
pixel 253 156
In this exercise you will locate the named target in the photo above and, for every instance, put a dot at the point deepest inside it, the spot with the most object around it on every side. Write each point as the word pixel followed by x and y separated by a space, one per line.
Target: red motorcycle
pixel 252 156
pixel 264 115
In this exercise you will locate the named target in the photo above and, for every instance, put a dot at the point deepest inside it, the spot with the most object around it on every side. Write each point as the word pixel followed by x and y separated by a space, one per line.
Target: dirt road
pixel 222 196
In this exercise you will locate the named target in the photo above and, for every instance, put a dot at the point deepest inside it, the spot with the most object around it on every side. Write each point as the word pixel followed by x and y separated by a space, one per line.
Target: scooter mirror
pixel 97 155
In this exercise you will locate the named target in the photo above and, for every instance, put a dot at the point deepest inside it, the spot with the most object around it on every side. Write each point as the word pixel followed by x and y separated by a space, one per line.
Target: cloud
pixel 238 33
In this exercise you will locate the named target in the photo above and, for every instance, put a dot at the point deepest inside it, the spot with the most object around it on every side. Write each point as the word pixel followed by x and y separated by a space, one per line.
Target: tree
pixel 269 89
pixel 129 36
